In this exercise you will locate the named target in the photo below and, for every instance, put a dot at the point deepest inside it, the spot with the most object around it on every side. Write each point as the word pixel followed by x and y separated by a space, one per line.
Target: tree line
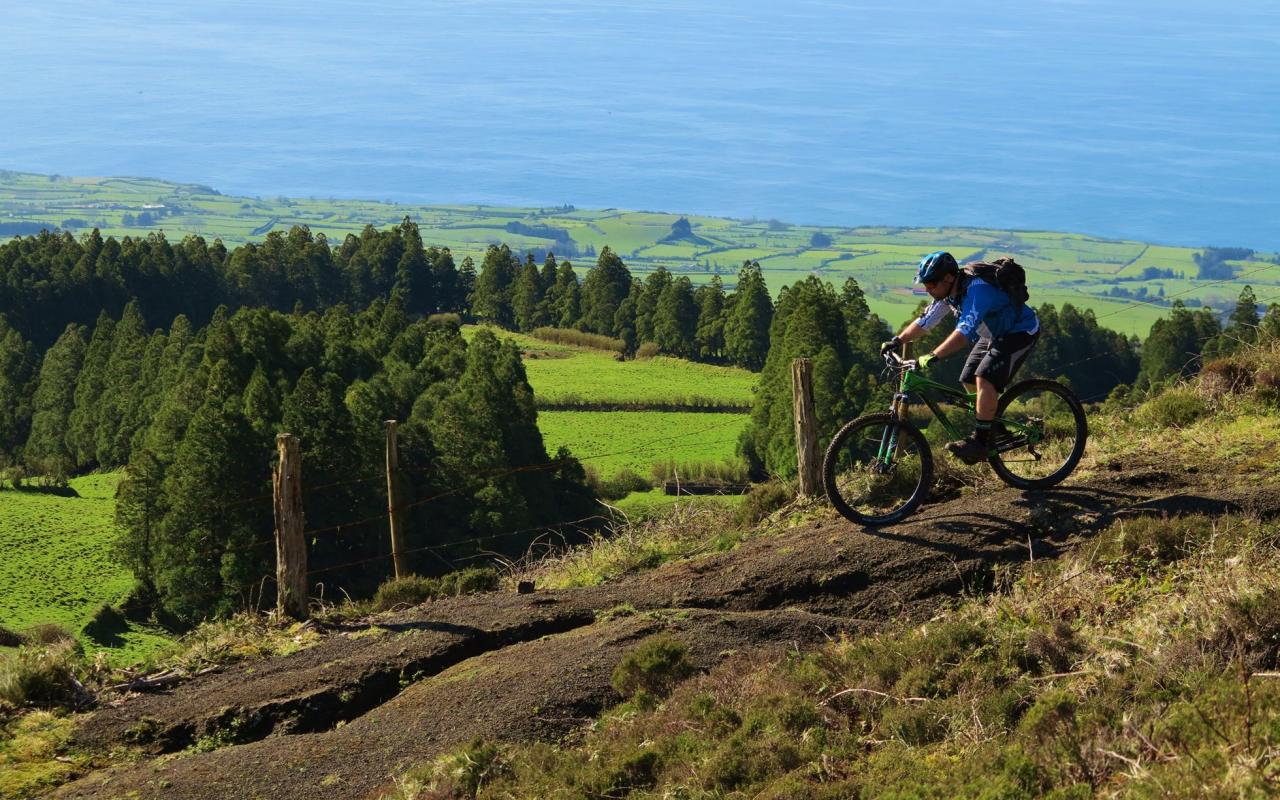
pixel 327 343
pixel 192 414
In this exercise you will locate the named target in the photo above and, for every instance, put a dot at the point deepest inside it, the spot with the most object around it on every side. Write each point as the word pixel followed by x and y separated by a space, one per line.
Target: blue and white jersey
pixel 985 312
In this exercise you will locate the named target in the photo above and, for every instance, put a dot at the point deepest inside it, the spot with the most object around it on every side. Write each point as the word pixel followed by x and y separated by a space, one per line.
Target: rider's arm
pixel 912 332
pixel 954 343
pixel 931 316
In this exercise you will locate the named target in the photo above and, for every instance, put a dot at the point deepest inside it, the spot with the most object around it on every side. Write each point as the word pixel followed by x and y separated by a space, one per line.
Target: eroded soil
pixel 340 719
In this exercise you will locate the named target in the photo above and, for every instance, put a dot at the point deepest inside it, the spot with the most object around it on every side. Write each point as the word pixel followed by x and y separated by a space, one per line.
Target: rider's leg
pixel 988 398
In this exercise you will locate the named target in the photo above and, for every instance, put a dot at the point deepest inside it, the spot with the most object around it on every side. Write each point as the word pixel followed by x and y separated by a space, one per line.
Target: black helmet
pixel 935 266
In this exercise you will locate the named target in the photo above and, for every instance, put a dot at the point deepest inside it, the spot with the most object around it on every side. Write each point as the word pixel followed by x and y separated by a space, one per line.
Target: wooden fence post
pixel 808 460
pixel 394 510
pixel 291 548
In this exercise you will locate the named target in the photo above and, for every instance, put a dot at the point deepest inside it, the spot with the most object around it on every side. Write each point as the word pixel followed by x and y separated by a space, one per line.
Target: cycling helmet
pixel 936 266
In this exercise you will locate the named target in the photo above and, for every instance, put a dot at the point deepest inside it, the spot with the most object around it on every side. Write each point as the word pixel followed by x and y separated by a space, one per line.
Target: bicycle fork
pixel 889 438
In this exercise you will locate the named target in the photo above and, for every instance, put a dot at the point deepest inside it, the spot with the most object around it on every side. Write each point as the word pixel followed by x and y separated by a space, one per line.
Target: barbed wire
pixel 470 540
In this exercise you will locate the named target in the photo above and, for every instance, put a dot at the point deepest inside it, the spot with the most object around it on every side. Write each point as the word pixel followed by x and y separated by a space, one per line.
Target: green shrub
pixel 1177 408
pixel 631 772
pixel 1156 540
pixel 1232 375
pixel 654 668
pixel 447 319
pixel 469 768
pixel 647 350
pixel 622 484
pixel 1250 631
pixel 763 500
pixel 41 676
pixel 471 580
pixel 407 591
pixel 10 638
pixel 48 633
pixel 414 589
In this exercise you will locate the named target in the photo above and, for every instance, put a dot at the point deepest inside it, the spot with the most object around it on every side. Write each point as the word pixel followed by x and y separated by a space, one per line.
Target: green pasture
pixel 56 565
pixel 610 441
pixel 1063 266
pixel 559 374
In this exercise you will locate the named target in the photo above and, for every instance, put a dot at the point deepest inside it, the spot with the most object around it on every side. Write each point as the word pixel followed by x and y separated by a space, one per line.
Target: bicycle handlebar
pixel 896 361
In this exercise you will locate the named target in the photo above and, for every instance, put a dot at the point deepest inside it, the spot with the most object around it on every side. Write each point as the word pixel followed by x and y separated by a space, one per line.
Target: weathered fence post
pixel 808 460
pixel 394 511
pixel 291 548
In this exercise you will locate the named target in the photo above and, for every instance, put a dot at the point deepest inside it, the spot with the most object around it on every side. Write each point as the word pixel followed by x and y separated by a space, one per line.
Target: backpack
pixel 1005 274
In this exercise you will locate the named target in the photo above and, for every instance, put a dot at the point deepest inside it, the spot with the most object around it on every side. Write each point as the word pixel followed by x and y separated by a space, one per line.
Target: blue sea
pixel 1148 120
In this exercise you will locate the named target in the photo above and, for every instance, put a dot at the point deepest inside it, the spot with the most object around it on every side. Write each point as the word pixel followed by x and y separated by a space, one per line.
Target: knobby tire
pixel 1081 433
pixel 830 465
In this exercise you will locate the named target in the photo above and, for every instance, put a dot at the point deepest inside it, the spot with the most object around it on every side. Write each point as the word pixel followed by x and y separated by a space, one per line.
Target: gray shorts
pixel 998 359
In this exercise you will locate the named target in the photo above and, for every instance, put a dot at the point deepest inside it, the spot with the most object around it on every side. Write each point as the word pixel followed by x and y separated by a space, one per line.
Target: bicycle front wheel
pixel 1040 434
pixel 877 470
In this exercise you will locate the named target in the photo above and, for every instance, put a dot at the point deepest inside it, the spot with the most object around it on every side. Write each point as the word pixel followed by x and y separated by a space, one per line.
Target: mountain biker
pixel 1002 332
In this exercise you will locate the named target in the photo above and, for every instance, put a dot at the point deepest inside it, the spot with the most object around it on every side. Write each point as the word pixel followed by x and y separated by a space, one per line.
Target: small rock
pixel 524 587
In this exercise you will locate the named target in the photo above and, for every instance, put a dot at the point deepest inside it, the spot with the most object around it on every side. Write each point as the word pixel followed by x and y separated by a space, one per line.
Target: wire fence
pixel 463 486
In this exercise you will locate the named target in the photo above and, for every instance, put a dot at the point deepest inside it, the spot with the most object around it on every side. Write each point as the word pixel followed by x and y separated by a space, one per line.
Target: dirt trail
pixel 341 718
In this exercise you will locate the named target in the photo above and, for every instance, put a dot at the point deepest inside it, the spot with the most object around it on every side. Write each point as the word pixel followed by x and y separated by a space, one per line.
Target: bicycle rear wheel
pixel 877 470
pixel 1042 436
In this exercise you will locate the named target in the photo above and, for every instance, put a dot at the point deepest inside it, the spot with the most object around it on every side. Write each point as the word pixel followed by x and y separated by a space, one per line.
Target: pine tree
pixel 414 277
pixel 607 284
pixel 675 319
pixel 46 450
pixel 1241 330
pixel 82 425
pixel 445 281
pixel 467 281
pixel 140 507
pixel 203 560
pixel 119 387
pixel 624 319
pixel 18 370
pixel 526 298
pixel 748 317
pixel 491 299
pixel 709 338
pixel 261 409
pixel 143 402
pixel 565 298
pixel 808 324
pixel 647 303
pixel 1173 347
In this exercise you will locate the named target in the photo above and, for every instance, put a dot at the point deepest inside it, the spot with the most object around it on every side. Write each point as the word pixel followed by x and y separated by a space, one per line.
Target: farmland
pixel 57 564
pixel 610 441
pixel 1063 267
pixel 562 374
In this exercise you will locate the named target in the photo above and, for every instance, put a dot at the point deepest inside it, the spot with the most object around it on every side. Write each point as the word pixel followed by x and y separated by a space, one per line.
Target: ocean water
pixel 1149 120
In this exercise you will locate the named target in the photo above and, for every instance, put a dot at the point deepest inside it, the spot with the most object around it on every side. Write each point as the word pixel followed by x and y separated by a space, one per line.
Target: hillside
pixel 1108 276
pixel 1115 635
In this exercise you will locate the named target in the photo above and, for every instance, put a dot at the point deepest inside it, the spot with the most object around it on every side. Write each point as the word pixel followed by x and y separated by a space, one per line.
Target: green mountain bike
pixel 879 467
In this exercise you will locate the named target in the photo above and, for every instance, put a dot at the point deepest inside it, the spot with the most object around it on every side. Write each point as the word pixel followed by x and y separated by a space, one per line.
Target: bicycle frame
pixel 913 385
